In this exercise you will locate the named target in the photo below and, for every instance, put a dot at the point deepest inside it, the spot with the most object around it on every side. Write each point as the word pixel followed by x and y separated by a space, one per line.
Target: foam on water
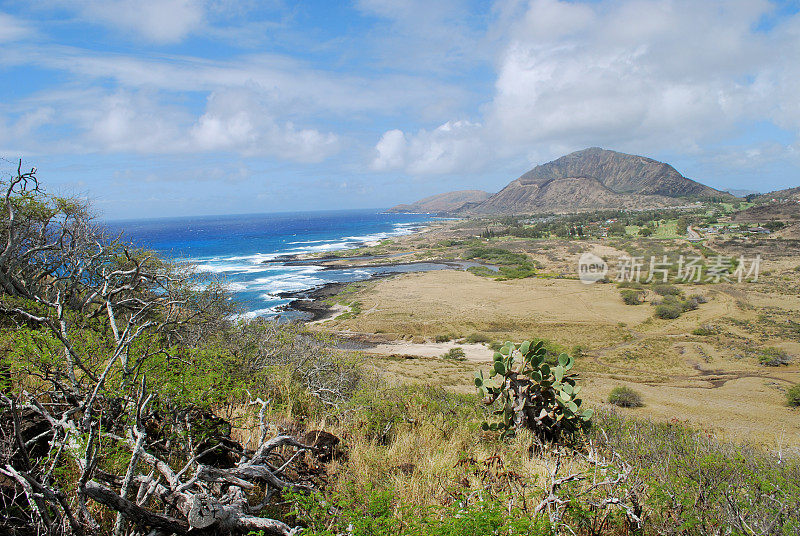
pixel 244 252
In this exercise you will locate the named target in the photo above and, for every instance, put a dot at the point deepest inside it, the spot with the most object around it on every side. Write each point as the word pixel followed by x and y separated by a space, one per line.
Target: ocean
pixel 245 250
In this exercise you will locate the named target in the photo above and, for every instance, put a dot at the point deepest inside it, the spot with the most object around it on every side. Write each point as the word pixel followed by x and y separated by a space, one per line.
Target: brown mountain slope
pixel 447 202
pixel 593 179
pixel 789 194
pixel 563 195
pixel 788 211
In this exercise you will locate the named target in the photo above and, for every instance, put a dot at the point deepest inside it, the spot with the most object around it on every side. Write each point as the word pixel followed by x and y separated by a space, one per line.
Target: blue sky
pixel 181 107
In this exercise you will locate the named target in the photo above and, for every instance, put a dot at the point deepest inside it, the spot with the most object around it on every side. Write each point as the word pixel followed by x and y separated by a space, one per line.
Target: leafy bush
pixel 793 395
pixel 532 395
pixel 671 306
pixel 704 331
pixel 481 271
pixel 666 290
pixel 625 397
pixel 511 265
pixel 520 271
pixel 668 311
pixel 381 513
pixel 443 338
pixel 773 357
pixel 631 297
pixel 696 483
pixel 474 338
pixel 496 255
pixel 456 353
pixel 690 305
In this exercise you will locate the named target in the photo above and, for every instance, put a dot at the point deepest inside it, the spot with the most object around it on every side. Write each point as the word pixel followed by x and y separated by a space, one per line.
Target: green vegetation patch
pixel 793 395
pixel 625 397
pixel 632 297
pixel 773 357
pixel 456 353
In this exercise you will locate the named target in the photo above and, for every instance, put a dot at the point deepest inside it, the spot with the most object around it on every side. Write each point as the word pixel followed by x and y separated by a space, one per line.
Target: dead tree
pixel 62 276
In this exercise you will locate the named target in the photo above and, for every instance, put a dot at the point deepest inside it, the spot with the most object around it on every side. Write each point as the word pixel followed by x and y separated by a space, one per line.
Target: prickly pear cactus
pixel 532 394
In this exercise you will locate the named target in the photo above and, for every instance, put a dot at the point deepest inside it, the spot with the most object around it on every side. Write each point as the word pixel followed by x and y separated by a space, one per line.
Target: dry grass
pixel 714 382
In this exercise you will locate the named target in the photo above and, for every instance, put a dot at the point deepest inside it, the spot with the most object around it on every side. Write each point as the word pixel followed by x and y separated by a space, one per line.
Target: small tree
pixel 532 394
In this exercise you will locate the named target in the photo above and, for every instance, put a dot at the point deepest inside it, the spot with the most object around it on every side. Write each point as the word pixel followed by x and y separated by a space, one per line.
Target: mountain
pixel 741 192
pixel 593 179
pixel 786 211
pixel 789 194
pixel 444 203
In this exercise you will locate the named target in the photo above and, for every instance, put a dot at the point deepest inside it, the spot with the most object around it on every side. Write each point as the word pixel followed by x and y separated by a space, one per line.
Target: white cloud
pixel 237 120
pixel 158 21
pixel 129 122
pixel 668 73
pixel 636 75
pixel 391 151
pixel 451 147
pixel 13 29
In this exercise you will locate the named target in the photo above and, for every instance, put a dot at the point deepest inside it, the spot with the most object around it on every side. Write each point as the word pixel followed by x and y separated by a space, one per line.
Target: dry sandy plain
pixel 713 382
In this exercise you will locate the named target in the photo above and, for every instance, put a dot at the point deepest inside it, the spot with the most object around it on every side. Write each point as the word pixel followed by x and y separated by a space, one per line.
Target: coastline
pixel 311 302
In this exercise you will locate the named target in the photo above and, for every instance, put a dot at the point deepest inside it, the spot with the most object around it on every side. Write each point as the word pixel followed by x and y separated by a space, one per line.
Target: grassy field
pixel 666 230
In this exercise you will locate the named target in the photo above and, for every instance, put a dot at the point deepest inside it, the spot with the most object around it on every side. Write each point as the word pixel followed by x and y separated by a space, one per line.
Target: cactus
pixel 532 394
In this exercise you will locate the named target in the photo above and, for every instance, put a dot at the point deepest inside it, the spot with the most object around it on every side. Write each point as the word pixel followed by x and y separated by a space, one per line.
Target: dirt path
pixel 476 353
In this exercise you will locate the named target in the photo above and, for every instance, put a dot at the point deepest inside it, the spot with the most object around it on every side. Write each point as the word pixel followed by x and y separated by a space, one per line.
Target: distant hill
pixel 787 211
pixel 740 192
pixel 444 203
pixel 593 179
pixel 789 194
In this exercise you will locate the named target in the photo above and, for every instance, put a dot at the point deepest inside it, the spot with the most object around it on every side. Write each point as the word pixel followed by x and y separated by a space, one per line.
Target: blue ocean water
pixel 245 250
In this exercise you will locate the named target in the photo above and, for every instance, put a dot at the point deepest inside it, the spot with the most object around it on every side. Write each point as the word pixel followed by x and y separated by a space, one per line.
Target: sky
pixel 156 108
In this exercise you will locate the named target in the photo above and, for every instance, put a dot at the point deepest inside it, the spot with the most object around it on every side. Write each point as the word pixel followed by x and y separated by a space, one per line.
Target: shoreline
pixel 311 301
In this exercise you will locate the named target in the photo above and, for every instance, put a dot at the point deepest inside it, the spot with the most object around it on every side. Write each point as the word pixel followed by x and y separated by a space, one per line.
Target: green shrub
pixel 704 331
pixel 630 284
pixel 668 311
pixel 532 395
pixel 690 305
pixel 625 397
pixel 666 290
pixel 496 255
pixel 631 297
pixel 456 353
pixel 381 513
pixel 520 271
pixel 475 338
pixel 481 271
pixel 793 395
pixel 696 484
pixel 443 338
pixel 773 357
